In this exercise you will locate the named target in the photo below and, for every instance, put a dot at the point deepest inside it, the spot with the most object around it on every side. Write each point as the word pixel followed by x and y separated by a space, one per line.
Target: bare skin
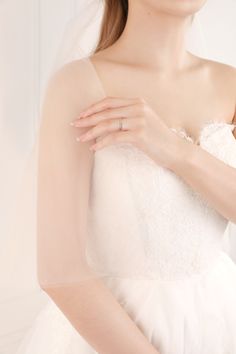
pixel 187 99
pixel 184 91
pixel 149 62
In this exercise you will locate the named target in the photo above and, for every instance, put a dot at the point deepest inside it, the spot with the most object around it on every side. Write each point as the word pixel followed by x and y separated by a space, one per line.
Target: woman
pixel 136 184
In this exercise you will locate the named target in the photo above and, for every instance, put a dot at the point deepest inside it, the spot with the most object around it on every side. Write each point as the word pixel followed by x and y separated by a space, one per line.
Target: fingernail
pixel 81 114
pixel 85 113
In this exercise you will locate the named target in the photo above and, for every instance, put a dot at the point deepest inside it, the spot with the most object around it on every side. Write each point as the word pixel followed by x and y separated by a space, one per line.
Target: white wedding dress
pixel 161 243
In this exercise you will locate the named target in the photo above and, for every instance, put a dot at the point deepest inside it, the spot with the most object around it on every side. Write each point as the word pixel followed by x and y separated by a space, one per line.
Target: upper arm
pixel 63 180
pixel 234 122
pixel 234 88
pixel 227 74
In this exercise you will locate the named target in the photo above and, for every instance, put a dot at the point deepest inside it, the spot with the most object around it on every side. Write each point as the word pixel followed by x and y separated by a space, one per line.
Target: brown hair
pixel 113 23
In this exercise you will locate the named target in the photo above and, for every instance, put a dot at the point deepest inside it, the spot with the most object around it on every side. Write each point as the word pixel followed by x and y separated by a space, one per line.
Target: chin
pixel 176 7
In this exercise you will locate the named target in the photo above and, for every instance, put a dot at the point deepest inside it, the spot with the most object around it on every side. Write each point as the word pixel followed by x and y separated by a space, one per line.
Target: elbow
pixel 47 289
pixel 42 284
pixel 51 288
pixel 44 273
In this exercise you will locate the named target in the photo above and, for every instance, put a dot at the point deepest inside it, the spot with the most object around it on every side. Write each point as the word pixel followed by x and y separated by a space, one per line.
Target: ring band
pixel 121 124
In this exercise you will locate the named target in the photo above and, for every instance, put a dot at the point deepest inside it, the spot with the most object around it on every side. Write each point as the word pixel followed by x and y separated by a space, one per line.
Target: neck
pixel 154 38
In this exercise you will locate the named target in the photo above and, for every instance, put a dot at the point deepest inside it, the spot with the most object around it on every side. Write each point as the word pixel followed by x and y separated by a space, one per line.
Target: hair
pixel 113 23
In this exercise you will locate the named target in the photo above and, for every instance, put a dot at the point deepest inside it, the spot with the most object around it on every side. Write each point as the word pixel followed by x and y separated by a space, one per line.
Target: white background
pixel 30 32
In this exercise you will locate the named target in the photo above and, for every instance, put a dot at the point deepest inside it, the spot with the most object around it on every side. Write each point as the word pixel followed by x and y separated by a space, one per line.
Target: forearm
pixel 96 314
pixel 208 175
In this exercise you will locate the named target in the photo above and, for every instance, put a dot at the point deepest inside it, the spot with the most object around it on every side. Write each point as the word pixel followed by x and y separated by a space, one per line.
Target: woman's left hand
pixel 141 126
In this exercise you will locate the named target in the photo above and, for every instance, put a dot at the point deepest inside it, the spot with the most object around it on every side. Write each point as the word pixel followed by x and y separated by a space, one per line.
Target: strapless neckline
pixel 207 129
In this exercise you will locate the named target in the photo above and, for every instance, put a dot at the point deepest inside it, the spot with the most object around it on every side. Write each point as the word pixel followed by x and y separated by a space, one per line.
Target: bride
pixel 136 185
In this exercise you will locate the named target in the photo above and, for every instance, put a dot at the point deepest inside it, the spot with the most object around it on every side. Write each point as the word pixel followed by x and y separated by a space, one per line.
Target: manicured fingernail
pixel 82 114
pixel 86 113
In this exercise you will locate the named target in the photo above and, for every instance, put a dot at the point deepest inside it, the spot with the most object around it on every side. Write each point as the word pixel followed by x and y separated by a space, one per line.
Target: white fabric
pixel 184 300
pixel 23 266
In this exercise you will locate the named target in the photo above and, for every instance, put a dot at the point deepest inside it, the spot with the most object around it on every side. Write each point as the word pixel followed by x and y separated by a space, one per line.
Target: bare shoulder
pixel 222 79
pixel 70 76
pixel 222 73
pixel 69 91
pixel 221 67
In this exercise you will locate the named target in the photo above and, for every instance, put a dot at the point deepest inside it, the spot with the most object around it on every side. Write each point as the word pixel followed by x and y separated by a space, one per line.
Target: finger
pixel 113 138
pixel 114 113
pixel 110 126
pixel 107 103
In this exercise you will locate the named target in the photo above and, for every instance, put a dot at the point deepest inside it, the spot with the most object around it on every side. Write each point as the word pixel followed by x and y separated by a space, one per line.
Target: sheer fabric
pixel 154 242
pixel 63 180
pixel 119 266
pixel 65 258
pixel 76 243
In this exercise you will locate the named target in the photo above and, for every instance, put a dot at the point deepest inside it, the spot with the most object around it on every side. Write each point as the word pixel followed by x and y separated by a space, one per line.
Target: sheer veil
pixel 18 262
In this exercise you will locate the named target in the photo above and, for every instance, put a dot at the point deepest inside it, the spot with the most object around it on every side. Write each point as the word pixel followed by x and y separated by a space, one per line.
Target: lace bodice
pixel 145 221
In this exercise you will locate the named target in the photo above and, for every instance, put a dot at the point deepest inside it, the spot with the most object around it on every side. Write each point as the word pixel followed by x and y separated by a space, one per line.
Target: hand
pixel 142 127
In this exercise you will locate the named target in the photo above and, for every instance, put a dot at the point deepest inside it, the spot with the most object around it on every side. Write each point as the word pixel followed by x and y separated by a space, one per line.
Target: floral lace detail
pixel 171 253
pixel 220 142
pixel 159 226
pixel 182 132
pixel 217 138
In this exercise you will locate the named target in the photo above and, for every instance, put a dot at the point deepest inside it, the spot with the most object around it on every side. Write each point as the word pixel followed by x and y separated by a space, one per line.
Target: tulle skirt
pixel 196 315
